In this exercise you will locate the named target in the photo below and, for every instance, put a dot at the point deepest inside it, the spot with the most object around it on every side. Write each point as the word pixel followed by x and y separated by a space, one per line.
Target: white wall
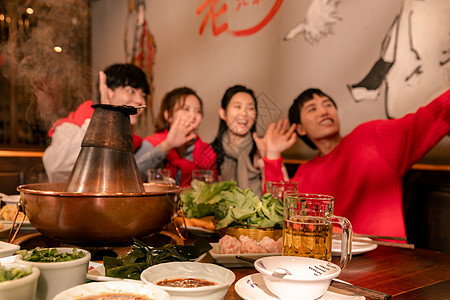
pixel 279 70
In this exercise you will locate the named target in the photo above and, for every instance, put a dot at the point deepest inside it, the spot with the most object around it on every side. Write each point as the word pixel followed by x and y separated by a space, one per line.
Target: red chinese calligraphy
pixel 213 13
pixel 260 25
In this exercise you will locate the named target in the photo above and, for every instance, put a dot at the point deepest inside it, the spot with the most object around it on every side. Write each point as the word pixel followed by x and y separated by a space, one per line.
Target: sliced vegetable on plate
pixel 142 256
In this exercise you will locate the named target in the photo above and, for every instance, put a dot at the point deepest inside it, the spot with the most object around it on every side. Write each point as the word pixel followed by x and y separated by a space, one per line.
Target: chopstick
pixel 362 238
pixel 247 259
pixel 382 237
pixel 342 285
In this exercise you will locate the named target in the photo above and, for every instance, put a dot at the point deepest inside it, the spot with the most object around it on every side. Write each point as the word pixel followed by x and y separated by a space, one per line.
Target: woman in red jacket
pixel 176 145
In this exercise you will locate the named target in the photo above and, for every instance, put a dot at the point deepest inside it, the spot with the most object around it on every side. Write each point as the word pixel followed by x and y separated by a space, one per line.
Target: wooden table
pixel 402 273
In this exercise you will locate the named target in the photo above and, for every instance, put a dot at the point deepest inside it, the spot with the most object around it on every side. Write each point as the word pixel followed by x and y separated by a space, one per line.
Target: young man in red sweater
pixel 363 170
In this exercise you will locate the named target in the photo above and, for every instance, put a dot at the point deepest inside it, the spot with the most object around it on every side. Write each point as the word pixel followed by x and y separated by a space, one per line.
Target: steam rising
pixel 57 82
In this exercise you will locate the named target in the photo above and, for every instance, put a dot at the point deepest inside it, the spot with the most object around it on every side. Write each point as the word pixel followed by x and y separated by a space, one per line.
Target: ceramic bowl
pixel 294 277
pixel 59 276
pixel 22 288
pixel 8 249
pixel 113 287
pixel 10 199
pixel 177 270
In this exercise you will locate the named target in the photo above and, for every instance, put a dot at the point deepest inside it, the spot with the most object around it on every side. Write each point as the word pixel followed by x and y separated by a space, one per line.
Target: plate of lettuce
pixel 232 206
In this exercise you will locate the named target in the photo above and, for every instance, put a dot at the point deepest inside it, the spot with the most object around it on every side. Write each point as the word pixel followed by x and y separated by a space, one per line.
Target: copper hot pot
pixel 104 200
pixel 97 218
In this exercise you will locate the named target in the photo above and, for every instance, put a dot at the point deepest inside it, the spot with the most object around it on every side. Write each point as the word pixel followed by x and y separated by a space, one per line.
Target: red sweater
pixel 364 172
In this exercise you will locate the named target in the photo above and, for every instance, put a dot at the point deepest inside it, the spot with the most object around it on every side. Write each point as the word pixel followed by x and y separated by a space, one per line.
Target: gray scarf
pixel 238 166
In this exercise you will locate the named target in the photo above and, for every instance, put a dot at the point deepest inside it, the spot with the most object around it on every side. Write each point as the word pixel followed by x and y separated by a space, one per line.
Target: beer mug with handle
pixel 308 227
pixel 279 188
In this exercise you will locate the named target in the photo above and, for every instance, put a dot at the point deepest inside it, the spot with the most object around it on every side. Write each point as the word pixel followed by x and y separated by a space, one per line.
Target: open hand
pixel 181 131
pixel 278 138
pixel 106 94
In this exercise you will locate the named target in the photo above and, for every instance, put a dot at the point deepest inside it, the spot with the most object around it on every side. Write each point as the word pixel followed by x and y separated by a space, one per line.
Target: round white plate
pixel 26 225
pixel 357 247
pixel 231 260
pixel 96 272
pixel 252 287
pixel 199 231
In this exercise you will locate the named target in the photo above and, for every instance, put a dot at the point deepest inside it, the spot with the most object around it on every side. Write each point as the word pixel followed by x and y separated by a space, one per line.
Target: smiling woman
pixel 238 157
pixel 175 145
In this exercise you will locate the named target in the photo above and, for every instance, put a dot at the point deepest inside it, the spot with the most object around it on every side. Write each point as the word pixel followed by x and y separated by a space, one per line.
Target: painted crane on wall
pixel 414 62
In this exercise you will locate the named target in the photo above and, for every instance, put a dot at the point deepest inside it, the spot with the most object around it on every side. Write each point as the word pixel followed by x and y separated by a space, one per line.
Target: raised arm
pixel 406 140
pixel 278 138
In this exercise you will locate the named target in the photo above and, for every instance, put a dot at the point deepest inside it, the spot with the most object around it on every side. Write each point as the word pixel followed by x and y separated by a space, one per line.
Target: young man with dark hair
pixel 363 171
pixel 119 84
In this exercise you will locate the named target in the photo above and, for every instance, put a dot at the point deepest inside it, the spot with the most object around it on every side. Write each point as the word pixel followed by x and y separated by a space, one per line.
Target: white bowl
pixel 8 249
pixel 112 287
pixel 177 270
pixel 10 199
pixel 59 276
pixel 22 288
pixel 295 277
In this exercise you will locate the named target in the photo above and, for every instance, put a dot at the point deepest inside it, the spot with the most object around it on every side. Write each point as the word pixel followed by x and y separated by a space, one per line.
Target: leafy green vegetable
pixel 143 256
pixel 200 201
pixel 232 206
pixel 49 255
pixel 13 273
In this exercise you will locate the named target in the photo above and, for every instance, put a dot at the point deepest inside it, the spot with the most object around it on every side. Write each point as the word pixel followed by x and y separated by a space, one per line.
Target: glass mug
pixel 160 176
pixel 206 176
pixel 308 227
pixel 279 188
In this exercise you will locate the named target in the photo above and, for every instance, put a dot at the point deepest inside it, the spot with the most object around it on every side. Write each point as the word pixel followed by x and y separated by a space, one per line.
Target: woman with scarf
pixel 238 157
pixel 175 145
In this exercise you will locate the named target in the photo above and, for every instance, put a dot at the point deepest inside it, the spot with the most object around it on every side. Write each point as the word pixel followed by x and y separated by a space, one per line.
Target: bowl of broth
pixel 190 280
pixel 113 290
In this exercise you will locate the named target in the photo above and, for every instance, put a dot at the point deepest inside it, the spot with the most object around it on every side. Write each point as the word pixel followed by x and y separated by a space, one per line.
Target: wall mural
pixel 414 62
pixel 397 52
pixel 318 22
